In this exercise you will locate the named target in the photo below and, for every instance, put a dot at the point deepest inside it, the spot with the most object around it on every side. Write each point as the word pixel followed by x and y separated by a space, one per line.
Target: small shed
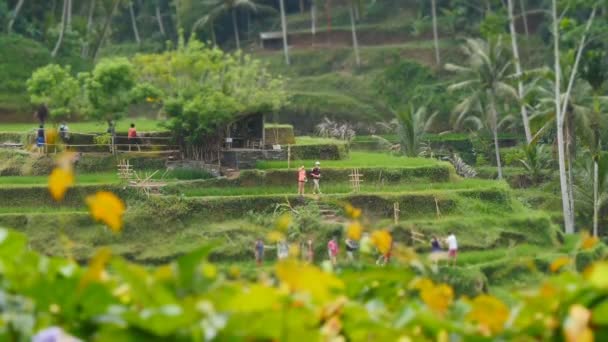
pixel 246 132
pixel 272 40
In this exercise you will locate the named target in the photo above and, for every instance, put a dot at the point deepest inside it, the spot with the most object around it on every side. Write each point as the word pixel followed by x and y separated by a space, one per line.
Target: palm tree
pixel 134 23
pixel 284 29
pixel 484 79
pixel 413 124
pixel 230 6
pixel 64 18
pixel 353 26
pixel 518 69
pixel 14 15
pixel 435 33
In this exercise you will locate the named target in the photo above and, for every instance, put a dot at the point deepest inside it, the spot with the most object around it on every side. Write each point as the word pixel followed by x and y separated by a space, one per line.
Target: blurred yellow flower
pixel 97 267
pixel 107 208
pixel 576 326
pixel 209 270
pixel 421 283
pixel 489 313
pixel 437 297
pixel 382 240
pixel 164 273
pixel 588 241
pixel 302 277
pixel 275 236
pixel 59 182
pixel 559 263
pixel 597 275
pixel 283 222
pixel 354 231
pixel 50 136
pixel 352 212
pixel 294 250
pixel 234 272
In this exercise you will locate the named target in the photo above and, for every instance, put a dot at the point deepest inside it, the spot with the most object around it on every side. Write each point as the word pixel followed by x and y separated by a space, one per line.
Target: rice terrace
pixel 303 170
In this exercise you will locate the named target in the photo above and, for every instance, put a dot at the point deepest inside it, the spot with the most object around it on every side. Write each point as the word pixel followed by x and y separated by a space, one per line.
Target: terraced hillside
pixel 432 200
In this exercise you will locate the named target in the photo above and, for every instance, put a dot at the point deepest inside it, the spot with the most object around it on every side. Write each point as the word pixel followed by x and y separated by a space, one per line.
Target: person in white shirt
pixel 452 247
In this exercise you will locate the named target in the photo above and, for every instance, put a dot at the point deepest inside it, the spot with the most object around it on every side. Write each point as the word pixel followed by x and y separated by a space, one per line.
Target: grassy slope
pixel 359 160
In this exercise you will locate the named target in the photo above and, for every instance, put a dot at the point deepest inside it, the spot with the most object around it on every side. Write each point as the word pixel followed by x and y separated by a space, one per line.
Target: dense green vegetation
pixel 481 118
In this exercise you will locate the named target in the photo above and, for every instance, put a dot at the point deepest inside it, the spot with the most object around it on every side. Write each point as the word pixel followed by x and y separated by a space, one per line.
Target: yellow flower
pixel 50 136
pixel 490 314
pixel 597 275
pixel 421 283
pixel 164 273
pixel 382 240
pixel 437 297
pixel 305 278
pixel 209 270
pixel 576 327
pixel 352 212
pixel 59 182
pixel 275 236
pixel 294 250
pixel 97 267
pixel 283 222
pixel 107 208
pixel 588 241
pixel 354 231
pixel 559 263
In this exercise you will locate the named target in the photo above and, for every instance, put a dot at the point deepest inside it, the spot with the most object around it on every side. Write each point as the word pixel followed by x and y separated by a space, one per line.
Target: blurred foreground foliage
pixel 192 299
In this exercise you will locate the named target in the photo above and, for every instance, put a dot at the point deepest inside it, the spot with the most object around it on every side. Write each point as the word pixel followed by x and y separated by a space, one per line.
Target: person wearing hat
pixel 316 176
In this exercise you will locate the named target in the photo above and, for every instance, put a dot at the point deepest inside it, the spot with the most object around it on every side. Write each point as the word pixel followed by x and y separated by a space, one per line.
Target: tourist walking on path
pixel 40 141
pixel 282 250
pixel 64 132
pixel 351 247
pixel 332 250
pixel 452 247
pixel 316 176
pixel 301 180
pixel 132 137
pixel 309 251
pixel 435 246
pixel 259 252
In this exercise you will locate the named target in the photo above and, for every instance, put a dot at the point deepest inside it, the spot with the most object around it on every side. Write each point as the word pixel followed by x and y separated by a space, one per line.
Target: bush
pixel 279 134
pixel 512 156
pixel 334 151
pixel 465 282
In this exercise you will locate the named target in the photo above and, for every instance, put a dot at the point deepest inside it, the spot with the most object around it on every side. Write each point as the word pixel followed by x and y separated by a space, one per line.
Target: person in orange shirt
pixel 301 180
pixel 132 137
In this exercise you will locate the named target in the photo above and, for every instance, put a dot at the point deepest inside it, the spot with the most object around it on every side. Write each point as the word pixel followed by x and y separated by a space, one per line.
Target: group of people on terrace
pixel 352 247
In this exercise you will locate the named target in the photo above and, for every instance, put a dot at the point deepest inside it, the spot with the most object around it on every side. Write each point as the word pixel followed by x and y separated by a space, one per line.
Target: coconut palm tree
pixel 435 33
pixel 413 124
pixel 219 7
pixel 284 29
pixel 484 83
pixel 353 25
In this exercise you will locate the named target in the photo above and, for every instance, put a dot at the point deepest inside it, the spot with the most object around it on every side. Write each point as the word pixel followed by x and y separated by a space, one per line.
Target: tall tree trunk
pixel 235 27
pixel 596 200
pixel 69 17
pixel 302 9
pixel 106 28
pixel 213 36
pixel 134 23
pixel 353 27
pixel 159 19
pixel 563 178
pixel 435 33
pixel 284 28
pixel 313 18
pixel 519 73
pixel 494 124
pixel 524 16
pixel 14 15
pixel 87 40
pixel 328 14
pixel 64 17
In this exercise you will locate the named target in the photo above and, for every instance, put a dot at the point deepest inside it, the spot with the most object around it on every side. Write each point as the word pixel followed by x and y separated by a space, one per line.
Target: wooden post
pixel 396 212
pixel 437 208
pixel 355 180
pixel 288 157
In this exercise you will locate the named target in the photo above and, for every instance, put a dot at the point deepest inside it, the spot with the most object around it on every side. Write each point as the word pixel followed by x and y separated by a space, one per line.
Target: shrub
pixel 279 134
pixel 512 156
